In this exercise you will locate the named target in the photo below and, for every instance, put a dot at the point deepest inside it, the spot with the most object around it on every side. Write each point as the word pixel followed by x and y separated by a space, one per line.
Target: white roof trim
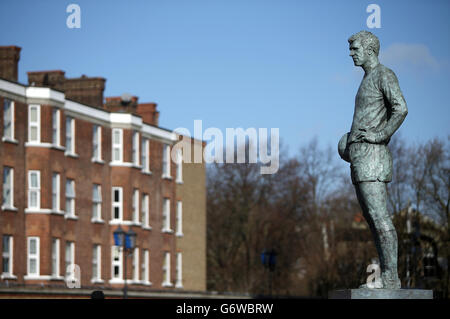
pixel 125 118
pixel 113 119
pixel 152 130
pixel 44 93
pixel 89 111
pixel 12 87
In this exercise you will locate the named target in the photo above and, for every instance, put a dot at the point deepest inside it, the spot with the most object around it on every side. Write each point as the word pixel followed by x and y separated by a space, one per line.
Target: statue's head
pixel 364 45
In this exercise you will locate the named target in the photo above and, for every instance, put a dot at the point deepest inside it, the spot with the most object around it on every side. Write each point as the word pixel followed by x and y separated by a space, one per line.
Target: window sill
pixel 118 163
pixel 30 210
pixel 168 231
pixel 8 276
pixel 97 160
pixel 147 227
pixel 73 217
pixel 45 145
pixel 167 177
pixel 58 212
pixel 124 164
pixel 72 155
pixel 116 222
pixel 37 144
pixel 9 208
pixel 146 283
pixel 124 222
pixel 10 140
pixel 145 172
pixel 36 277
pixel 179 182
pixel 97 221
pixel 97 281
pixel 167 284
pixel 116 281
pixel 179 234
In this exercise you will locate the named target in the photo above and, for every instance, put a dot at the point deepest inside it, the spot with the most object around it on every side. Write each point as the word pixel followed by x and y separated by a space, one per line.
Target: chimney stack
pixel 122 104
pixel 148 113
pixel 86 90
pixel 54 79
pixel 9 62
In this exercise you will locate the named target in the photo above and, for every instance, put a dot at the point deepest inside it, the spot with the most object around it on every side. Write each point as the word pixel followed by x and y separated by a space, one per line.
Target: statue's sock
pixel 389 272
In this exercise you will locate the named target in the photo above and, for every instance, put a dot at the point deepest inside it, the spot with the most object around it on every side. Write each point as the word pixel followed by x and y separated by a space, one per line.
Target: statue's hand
pixel 368 136
pixel 371 137
pixel 358 136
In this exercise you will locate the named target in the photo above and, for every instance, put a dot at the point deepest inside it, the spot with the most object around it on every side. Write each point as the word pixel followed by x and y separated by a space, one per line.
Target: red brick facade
pixel 47 223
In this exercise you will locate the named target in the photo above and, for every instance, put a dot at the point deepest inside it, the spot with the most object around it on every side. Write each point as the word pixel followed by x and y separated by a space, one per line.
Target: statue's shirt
pixel 379 107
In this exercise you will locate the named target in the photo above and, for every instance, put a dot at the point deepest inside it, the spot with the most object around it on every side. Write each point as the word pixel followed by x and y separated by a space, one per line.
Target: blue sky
pixel 243 63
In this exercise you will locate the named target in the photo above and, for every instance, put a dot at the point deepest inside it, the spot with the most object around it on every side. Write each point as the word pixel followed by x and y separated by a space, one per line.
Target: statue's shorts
pixel 370 162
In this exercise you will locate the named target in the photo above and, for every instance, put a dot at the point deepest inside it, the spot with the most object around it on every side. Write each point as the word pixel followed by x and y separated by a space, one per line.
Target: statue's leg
pixel 372 197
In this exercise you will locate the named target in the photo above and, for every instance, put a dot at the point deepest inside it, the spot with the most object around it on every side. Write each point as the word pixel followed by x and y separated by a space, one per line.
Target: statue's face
pixel 358 53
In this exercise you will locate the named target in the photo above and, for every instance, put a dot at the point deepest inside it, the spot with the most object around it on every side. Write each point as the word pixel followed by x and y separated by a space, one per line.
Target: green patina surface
pixel 380 109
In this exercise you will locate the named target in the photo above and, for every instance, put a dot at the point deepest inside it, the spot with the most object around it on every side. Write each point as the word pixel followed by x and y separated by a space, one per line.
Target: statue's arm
pixel 396 103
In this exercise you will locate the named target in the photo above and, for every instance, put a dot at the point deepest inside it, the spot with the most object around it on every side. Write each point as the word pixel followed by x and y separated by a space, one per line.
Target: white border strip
pixel 85 110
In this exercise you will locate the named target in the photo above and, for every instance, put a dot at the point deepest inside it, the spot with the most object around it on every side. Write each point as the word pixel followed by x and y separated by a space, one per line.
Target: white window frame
pixel 179 226
pixel 179 167
pixel 70 198
pixel 70 135
pixel 56 192
pixel 166 161
pixel 118 263
pixel 166 215
pixel 35 256
pixel 179 271
pixel 9 255
pixel 36 189
pixel 97 203
pixel 9 204
pixel 145 155
pixel 135 148
pixel 135 204
pixel 97 143
pixel 118 204
pixel 69 257
pixel 55 257
pixel 117 145
pixel 36 124
pixel 145 209
pixel 11 119
pixel 166 270
pixel 97 262
pixel 145 270
pixel 56 127
pixel 135 264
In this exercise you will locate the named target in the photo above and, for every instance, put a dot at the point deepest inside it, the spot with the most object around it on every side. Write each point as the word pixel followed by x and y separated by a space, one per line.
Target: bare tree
pixel 308 213
pixel 247 213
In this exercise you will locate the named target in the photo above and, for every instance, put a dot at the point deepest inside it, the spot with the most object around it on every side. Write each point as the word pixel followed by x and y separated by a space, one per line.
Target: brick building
pixel 75 166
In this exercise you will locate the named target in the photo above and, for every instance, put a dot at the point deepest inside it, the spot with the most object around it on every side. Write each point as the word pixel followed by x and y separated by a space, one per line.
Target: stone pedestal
pixel 381 294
